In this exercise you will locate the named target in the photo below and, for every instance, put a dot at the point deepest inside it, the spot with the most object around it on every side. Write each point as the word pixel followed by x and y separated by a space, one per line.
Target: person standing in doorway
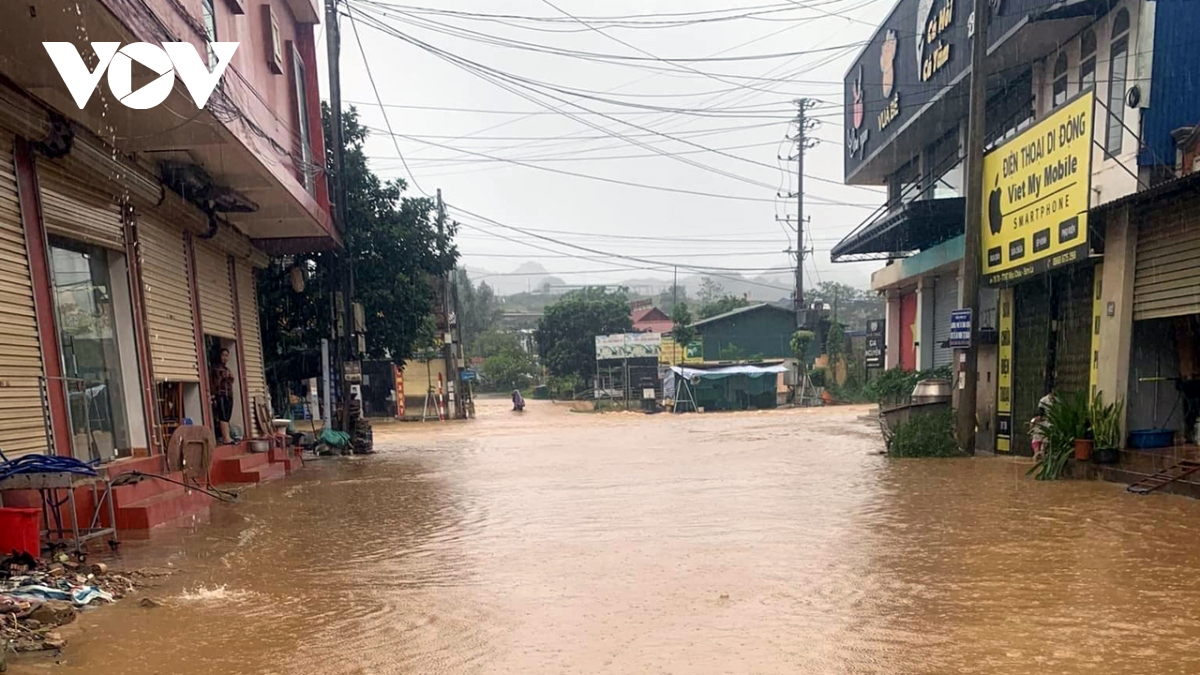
pixel 221 381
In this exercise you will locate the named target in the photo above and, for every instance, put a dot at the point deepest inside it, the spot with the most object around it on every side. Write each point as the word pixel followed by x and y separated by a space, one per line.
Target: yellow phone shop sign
pixel 1036 187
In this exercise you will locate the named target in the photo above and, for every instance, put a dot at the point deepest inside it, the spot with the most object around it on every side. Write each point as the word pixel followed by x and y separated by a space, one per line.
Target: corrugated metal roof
pixel 740 310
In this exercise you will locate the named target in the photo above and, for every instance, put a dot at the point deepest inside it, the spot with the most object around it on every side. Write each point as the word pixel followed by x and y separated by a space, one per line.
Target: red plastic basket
pixel 19 531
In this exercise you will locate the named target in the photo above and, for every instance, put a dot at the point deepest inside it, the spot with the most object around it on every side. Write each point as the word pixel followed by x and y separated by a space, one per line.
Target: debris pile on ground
pixel 37 597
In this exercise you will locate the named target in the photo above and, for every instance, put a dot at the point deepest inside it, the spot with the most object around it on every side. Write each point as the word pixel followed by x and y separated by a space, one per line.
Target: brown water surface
pixel 552 542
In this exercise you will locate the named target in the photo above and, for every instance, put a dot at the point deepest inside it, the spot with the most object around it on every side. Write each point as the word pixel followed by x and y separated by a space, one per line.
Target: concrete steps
pixel 247 468
pixel 162 508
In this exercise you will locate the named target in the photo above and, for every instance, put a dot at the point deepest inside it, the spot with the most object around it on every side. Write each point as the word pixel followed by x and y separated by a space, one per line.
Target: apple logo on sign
pixel 995 215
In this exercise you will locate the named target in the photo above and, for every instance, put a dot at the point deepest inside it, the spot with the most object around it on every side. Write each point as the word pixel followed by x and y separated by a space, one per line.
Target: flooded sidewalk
pixel 552 542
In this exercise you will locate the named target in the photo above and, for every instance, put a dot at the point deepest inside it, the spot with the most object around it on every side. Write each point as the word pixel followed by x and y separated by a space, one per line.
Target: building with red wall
pixel 130 237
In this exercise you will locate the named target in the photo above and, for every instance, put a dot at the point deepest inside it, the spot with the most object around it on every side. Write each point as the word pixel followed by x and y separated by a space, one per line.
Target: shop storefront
pixel 1164 377
pixel 1038 248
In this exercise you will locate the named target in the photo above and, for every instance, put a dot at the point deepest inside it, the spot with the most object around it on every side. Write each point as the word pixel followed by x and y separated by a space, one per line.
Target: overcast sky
pixel 440 103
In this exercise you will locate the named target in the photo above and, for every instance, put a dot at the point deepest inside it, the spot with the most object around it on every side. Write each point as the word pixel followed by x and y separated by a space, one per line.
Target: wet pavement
pixel 556 542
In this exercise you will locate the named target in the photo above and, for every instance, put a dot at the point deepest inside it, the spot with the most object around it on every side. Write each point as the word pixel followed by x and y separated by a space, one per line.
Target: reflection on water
pixel 751 543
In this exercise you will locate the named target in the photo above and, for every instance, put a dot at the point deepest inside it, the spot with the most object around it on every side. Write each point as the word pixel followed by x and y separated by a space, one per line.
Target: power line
pixel 371 79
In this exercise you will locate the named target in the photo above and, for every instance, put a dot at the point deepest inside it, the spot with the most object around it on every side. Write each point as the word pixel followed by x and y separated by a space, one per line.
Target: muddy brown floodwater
pixel 552 542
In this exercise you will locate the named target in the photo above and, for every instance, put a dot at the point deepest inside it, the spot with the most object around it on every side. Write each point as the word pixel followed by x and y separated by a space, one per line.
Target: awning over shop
pixel 914 226
pixel 726 371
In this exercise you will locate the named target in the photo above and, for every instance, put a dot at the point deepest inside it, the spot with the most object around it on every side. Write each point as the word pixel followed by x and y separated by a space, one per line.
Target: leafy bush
pixel 1106 422
pixel 894 387
pixel 1066 420
pixel 929 435
pixel 820 377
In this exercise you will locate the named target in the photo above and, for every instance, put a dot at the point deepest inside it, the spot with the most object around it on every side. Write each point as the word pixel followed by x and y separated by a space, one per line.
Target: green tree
pixel 506 365
pixel 725 303
pixel 479 309
pixel 668 298
pixel 566 333
pixel 710 290
pixel 398 255
pixel 683 332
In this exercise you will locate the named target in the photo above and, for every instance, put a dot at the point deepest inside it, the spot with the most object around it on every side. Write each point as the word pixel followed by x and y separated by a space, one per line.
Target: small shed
pixel 737 387
pixel 761 331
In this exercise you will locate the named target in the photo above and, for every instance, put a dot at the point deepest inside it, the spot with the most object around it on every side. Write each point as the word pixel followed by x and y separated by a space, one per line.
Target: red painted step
pixel 162 508
pixel 250 468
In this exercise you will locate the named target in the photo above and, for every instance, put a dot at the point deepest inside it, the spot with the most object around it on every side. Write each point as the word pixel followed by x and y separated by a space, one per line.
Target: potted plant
pixel 1066 423
pixel 1106 429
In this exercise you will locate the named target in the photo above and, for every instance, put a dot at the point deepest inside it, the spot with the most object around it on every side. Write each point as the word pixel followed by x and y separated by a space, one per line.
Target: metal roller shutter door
pixel 73 211
pixel 169 317
pixel 1031 347
pixel 216 291
pixel 1073 289
pixel 1165 282
pixel 23 423
pixel 256 381
pixel 945 301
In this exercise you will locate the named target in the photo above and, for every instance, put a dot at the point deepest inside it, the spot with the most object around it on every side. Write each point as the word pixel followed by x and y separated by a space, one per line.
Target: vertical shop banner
pixel 1036 190
pixel 398 376
pixel 1097 311
pixel 1004 421
pixel 876 341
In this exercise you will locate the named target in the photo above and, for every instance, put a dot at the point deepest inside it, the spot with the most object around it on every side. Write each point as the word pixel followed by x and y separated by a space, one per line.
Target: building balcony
pixel 244 155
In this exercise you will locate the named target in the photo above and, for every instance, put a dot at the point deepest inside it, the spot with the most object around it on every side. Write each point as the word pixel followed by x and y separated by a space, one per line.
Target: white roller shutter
pixel 167 293
pixel 256 381
pixel 945 301
pixel 1165 281
pixel 71 209
pixel 216 291
pixel 23 420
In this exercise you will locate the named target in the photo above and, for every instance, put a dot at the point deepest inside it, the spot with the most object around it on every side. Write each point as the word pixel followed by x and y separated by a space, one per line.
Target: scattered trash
pixel 36 597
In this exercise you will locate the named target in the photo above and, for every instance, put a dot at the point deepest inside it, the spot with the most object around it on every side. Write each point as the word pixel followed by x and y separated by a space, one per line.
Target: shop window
pixel 905 185
pixel 1087 61
pixel 94 314
pixel 1060 81
pixel 1118 65
pixel 947 167
pixel 208 16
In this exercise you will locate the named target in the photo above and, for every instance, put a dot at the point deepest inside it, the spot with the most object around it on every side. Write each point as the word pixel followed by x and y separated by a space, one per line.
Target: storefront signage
pixel 915 58
pixel 398 377
pixel 876 343
pixel 933 50
pixel 960 329
pixel 1035 213
pixel 628 346
pixel 1005 377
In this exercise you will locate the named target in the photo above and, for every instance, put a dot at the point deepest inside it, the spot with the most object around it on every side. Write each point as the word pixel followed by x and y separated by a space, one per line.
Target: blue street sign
pixel 960 329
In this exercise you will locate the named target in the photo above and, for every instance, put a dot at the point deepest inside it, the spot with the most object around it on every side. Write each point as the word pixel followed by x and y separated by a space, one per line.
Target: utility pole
pixel 976 132
pixel 447 336
pixel 803 142
pixel 346 349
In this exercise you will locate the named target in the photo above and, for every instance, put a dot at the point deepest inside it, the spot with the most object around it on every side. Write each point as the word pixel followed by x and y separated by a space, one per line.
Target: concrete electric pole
pixel 803 142
pixel 968 360
pixel 447 334
pixel 346 344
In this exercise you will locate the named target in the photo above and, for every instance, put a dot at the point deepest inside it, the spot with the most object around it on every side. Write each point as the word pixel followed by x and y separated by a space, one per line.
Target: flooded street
pixel 553 542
